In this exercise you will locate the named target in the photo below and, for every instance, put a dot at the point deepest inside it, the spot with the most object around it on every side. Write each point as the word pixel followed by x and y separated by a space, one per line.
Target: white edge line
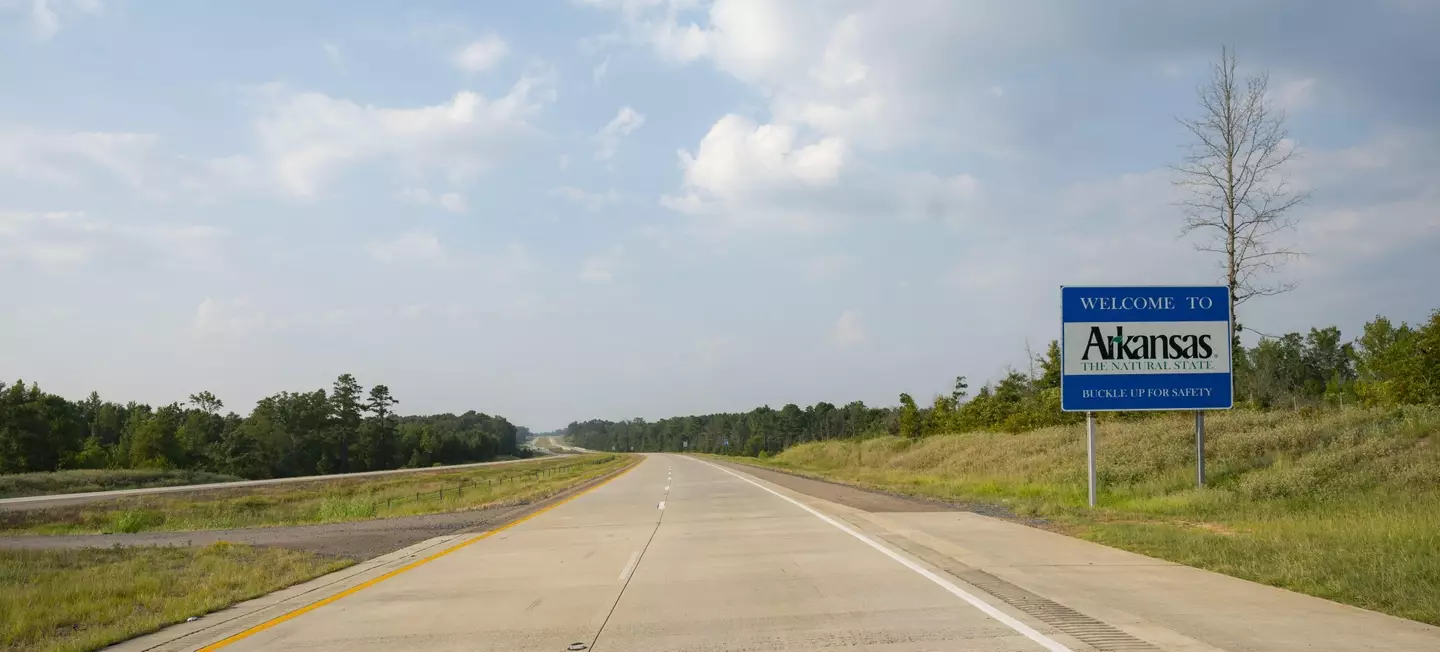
pixel 629 566
pixel 1029 632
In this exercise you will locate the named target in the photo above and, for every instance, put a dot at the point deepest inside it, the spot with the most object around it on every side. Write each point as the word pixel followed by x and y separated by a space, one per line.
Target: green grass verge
pixel 73 600
pixel 18 485
pixel 328 501
pixel 1343 505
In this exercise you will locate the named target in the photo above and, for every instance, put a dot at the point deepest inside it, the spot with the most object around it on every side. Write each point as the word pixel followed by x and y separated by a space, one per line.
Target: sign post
pixel 1090 451
pixel 1199 448
pixel 1145 348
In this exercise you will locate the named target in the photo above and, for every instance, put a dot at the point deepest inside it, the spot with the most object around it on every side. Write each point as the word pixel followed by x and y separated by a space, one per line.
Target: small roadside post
pixel 1145 348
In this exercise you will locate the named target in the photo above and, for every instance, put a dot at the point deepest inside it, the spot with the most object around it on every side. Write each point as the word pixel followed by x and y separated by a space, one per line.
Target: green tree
pixel 909 417
pixel 345 409
pixel 377 433
pixel 206 402
pixel 1050 367
pixel 197 432
pixel 154 444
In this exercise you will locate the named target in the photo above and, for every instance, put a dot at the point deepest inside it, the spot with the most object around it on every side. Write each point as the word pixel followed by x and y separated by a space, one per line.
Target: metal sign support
pixel 1200 448
pixel 1090 449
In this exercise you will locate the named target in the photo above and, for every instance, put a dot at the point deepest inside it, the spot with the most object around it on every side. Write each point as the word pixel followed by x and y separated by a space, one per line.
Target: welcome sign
pixel 1145 348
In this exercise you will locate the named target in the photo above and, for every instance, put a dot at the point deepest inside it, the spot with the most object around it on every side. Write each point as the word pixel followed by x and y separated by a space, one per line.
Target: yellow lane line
pixel 414 564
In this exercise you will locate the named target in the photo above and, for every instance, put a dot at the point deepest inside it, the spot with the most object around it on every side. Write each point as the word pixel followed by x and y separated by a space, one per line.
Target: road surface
pixel 674 555
pixel 679 555
pixel 62 500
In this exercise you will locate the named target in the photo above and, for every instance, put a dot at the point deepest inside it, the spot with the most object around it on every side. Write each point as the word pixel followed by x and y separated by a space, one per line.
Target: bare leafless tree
pixel 1236 192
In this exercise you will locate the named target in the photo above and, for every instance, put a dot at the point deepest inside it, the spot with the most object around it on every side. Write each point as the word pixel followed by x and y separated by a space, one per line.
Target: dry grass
pixel 329 501
pixel 73 600
pixel 1340 504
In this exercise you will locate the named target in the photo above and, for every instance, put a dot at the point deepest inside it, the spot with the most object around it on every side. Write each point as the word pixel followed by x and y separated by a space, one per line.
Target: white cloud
pixel 1371 199
pixel 741 166
pixel 825 267
pixel 1294 94
pixel 310 137
pixel 848 331
pixel 509 266
pixel 592 201
pixel 599 72
pixel 73 159
pixel 715 350
pixel 233 317
pixel 60 241
pixel 46 16
pixel 58 157
pixel 626 121
pixel 50 241
pixel 410 247
pixel 738 155
pixel 481 55
pixel 604 267
pixel 332 52
pixel 750 176
pixel 453 202
pixel 415 311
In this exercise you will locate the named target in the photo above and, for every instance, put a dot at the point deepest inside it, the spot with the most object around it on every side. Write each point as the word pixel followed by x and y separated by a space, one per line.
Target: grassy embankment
pixel 326 501
pixel 1344 505
pixel 17 485
pixel 73 600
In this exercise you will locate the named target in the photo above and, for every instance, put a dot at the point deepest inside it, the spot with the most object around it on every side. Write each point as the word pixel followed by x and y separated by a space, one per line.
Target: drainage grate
pixel 1093 632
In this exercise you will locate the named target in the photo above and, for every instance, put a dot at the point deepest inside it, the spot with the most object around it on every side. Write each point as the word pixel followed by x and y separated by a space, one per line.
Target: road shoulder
pixel 1121 600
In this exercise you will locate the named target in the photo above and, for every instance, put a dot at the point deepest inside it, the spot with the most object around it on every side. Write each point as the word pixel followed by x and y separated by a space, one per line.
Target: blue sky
pixel 617 208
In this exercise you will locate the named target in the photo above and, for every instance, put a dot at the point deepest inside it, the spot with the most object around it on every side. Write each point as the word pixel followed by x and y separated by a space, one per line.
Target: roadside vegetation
pixel 1342 504
pixel 323 501
pixel 18 485
pixel 1325 479
pixel 1389 364
pixel 74 600
pixel 288 434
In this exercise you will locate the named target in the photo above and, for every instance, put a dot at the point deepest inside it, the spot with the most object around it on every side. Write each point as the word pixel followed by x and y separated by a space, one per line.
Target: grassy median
pixel 18 485
pixel 327 501
pixel 72 600
pixel 1340 504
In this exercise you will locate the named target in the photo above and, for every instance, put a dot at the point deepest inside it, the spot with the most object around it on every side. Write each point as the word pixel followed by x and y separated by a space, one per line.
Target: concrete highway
pixel 679 555
pixel 673 555
pixel 61 500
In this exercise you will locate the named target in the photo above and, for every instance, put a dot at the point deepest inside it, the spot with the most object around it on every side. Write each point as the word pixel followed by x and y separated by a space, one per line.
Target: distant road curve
pixel 552 443
pixel 61 500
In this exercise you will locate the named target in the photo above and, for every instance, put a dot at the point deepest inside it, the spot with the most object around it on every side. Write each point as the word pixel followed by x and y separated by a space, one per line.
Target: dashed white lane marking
pixel 1045 641
pixel 662 504
pixel 629 566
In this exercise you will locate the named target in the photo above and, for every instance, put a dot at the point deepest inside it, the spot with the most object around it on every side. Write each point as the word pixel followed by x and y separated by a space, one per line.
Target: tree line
pixel 287 434
pixel 1386 365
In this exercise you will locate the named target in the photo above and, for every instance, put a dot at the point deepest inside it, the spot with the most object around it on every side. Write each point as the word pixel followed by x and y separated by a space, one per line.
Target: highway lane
pixel 674 555
pixel 61 500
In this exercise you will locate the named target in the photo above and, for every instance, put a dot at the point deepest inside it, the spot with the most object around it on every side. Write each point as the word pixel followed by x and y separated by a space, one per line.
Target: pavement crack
pixel 631 576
